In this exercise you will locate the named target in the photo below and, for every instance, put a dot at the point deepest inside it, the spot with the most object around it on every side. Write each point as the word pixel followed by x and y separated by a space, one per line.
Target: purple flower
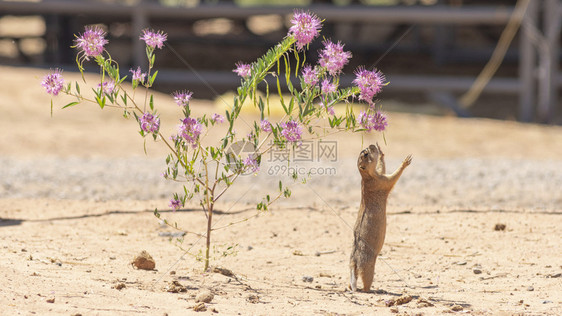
pixel 150 123
pixel 53 82
pixel 329 109
pixel 328 86
pixel 92 41
pixel 190 129
pixel 333 58
pixel 310 75
pixel 265 126
pixel 182 98
pixel 217 118
pixel 154 39
pixel 376 121
pixel 107 87
pixel 292 131
pixel 243 70
pixel 369 82
pixel 251 136
pixel 175 204
pixel 138 75
pixel 251 164
pixel 306 26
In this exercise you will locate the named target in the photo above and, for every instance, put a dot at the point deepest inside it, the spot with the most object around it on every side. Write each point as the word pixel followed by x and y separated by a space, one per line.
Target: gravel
pixel 466 183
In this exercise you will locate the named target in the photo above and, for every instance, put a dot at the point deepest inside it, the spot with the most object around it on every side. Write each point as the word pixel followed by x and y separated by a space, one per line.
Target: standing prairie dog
pixel 370 227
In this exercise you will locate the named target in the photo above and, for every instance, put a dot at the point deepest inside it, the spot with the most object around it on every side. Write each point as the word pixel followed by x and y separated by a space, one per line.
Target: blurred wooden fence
pixel 536 84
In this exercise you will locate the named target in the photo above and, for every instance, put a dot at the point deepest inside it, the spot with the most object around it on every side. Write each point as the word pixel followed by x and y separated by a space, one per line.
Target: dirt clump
pixel 499 227
pixel 201 307
pixel 175 287
pixel 223 271
pixel 144 261
pixel 204 296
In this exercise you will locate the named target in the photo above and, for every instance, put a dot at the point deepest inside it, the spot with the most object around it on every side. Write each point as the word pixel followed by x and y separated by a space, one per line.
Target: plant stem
pixel 208 243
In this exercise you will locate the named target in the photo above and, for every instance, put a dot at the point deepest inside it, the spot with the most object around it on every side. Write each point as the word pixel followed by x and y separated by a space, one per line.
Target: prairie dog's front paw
pixel 380 150
pixel 407 161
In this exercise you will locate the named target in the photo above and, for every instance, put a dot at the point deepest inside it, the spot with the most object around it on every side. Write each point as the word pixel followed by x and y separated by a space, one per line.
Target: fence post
pixel 527 64
pixel 140 22
pixel 548 84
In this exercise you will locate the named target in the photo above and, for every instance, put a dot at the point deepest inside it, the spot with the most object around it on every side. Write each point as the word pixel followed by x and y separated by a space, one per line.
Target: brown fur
pixel 370 227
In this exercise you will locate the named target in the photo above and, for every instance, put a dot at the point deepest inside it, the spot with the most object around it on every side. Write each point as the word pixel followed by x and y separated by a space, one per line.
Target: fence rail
pixel 537 83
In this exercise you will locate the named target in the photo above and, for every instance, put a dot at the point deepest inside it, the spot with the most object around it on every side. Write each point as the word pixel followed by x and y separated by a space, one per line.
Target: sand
pixel 77 195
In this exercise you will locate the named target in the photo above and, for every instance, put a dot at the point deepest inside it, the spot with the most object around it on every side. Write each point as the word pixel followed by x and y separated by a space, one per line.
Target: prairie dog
pixel 370 226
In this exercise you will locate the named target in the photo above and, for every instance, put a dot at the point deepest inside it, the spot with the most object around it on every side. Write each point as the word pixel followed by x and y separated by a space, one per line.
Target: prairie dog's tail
pixel 353 278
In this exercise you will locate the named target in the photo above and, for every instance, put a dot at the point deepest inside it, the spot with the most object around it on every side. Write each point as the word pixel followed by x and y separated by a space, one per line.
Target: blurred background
pixel 486 58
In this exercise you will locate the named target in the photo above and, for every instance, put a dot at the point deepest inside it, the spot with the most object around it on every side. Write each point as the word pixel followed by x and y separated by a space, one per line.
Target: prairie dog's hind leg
pixel 367 273
pixel 353 278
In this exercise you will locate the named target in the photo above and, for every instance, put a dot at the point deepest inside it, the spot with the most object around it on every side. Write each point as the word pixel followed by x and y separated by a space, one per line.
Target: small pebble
pixel 120 286
pixel 530 289
pixel 499 227
pixel 252 298
pixel 51 300
pixel 204 296
pixel 144 261
pixel 307 278
pixel 477 271
pixel 404 299
pixel 201 307
pixel 171 234
pixel 456 308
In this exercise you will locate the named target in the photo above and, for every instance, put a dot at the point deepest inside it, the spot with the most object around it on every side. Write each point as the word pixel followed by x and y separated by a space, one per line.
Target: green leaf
pixel 70 104
pixel 77 87
pixel 291 105
pixel 151 102
pixel 298 61
pixel 101 101
pixel 153 77
pixel 287 69
pixel 261 105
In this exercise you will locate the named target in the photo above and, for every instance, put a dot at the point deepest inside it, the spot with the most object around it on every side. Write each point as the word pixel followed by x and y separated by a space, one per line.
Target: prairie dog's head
pixel 367 161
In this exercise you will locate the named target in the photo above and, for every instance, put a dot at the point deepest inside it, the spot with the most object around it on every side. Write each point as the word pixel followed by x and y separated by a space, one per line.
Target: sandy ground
pixel 77 195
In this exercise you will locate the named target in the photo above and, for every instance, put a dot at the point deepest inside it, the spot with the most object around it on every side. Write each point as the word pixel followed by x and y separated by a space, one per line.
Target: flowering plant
pixel 308 111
